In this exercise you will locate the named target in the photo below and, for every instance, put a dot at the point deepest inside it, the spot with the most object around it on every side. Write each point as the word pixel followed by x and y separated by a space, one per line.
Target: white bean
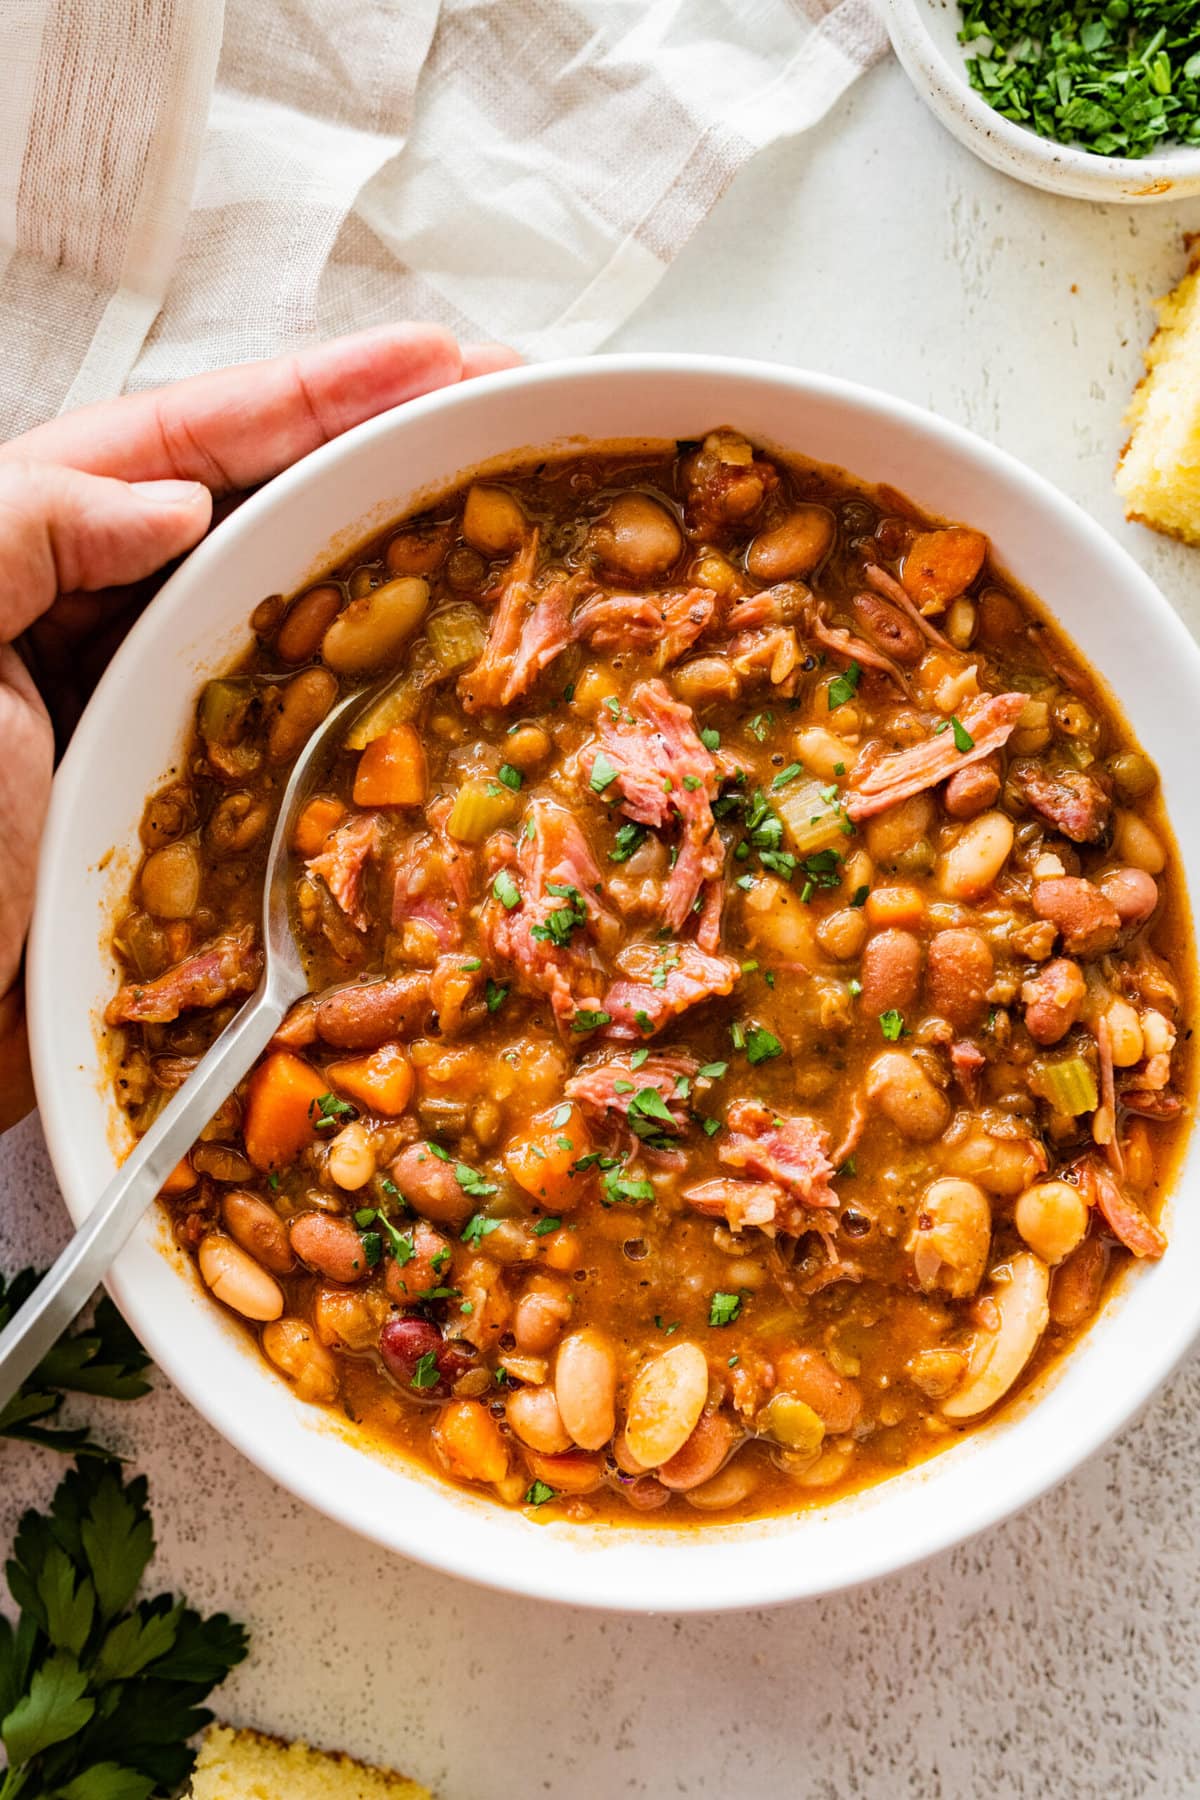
pixel 372 629
pixel 585 1387
pixel 238 1280
pixel 952 1236
pixel 1020 1291
pixel 972 863
pixel 665 1402
pixel 1137 844
pixel 351 1160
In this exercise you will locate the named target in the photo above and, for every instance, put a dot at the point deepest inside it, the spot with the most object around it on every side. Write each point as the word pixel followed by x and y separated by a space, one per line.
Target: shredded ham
pixel 552 853
pixel 343 861
pixel 609 1086
pixel 903 773
pixel 529 629
pixel 1126 1221
pixel 791 1150
pixel 890 588
pixel 738 1203
pixel 667 623
pixel 663 771
pixel 230 965
pixel 855 649
pixel 686 975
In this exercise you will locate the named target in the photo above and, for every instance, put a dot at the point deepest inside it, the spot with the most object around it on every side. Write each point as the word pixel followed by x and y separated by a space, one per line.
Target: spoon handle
pixel 69 1284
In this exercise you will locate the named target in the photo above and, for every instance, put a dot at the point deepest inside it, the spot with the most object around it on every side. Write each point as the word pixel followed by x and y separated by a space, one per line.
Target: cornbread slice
pixel 1158 475
pixel 245 1765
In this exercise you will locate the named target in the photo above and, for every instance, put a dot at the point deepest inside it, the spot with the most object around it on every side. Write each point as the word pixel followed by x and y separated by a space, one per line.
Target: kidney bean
pixel 426 1268
pixel 299 637
pixel 888 627
pixel 1087 919
pixel 699 1459
pixel 971 791
pixel 540 1315
pixel 259 1230
pixel 1053 1000
pixel 959 971
pixel 792 547
pixel 330 1245
pixel 366 1014
pixel 402 1344
pixel 805 1373
pixel 891 972
pixel 431 1187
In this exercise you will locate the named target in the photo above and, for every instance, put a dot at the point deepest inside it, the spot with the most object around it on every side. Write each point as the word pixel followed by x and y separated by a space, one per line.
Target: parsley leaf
pixel 785 775
pixel 723 1309
pixel 505 890
pixel 546 1225
pixel 472 1182
pixel 629 838
pixel 495 993
pixel 891 1023
pixel 425 1375
pixel 761 1045
pixel 477 1228
pixel 328 1113
pixel 512 778
pixel 563 920
pixel 539 1494
pixel 710 739
pixel 962 738
pixel 843 687
pixel 102 1358
pixel 589 1020
pixel 604 773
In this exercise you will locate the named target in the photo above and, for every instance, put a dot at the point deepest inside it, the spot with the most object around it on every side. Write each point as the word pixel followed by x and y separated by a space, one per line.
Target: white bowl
pixel 131 735
pixel 924 35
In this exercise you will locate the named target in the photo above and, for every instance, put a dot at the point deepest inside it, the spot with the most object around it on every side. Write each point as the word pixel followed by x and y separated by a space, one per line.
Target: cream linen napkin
pixel 185 184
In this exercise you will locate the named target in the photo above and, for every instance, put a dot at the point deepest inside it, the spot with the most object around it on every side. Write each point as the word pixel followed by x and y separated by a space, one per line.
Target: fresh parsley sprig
pixel 99 1693
pixel 103 1358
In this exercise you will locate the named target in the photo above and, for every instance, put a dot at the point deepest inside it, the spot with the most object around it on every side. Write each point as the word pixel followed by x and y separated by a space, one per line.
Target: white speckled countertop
pixel 1060 1654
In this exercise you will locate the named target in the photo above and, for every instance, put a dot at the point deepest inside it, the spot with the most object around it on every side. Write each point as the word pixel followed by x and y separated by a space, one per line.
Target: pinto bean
pixel 836 1399
pixel 1053 999
pixel 368 1013
pixel 735 1484
pixel 585 1387
pixel 971 790
pixel 1078 1283
pixel 792 547
pixel 699 1459
pixel 298 711
pixel 534 1416
pixel 467 1442
pixel 237 1280
pixel 903 1092
pixel 330 1245
pixel 259 1230
pixel 431 1187
pixel 637 536
pixel 419 551
pixel 891 972
pixel 425 1268
pixel 541 1313
pixel 1087 920
pixel 887 626
pixel 1134 893
pixel 170 881
pixel 294 1347
pixel 665 1403
pixel 972 863
pixel 299 637
pixel 950 1241
pixel 960 969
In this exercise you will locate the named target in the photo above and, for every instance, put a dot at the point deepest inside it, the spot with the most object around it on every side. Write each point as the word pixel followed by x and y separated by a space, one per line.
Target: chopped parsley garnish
pixel 623 1188
pixel 545 1226
pixel 505 890
pixel 364 1217
pixel 849 1167
pixel 437 1150
pixel 859 896
pixel 710 739
pixel 629 838
pixel 372 1244
pixel 844 686
pixel 586 1020
pixel 561 1115
pixel 823 869
pixel 668 960
pixel 667 1329
pixel 891 1023
pixel 713 1071
pixel 622 1087
pixel 425 1375
pixel 469 967
pixel 1119 79
pixel 604 773
pixel 495 993
pixel 641 1019
pixel 785 775
pixel 477 1228
pixel 472 1182
pixel 839 768
pixel 962 738
pixel 560 923
pixel 760 724
pixel 400 1242
pixel 648 1110
pixel 723 1309
pixel 328 1113
pixel 539 1494
pixel 745 882
pixel 512 778
pixel 764 831
pixel 692 782
pixel 737 1033
pixel 762 1045
pixel 854 987
pixel 638 1058
pixel 710 1127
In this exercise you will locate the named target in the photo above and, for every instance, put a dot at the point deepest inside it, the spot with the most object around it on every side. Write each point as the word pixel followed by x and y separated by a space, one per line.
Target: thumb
pixel 62 530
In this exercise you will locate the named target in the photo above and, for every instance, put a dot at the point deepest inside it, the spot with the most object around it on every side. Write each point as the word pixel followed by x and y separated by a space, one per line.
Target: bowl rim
pixel 1022 146
pixel 589 1584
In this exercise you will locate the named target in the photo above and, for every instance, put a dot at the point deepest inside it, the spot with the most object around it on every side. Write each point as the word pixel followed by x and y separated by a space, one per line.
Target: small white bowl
pixel 132 735
pixel 924 35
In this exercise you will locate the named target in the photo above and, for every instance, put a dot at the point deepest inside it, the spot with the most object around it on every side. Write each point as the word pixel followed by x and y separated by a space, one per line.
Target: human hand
pixel 94 505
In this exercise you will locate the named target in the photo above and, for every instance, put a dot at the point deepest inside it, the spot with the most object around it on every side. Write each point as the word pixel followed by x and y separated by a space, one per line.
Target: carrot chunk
pixel 541 1158
pixel 899 906
pixel 381 1083
pixel 279 1118
pixel 320 815
pixel 181 1180
pixel 391 770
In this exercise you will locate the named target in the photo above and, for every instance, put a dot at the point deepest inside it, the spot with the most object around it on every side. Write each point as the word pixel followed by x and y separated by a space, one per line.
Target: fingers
pixel 239 426
pixel 61 531
pixel 16 1077
pixel 486 359
pixel 24 795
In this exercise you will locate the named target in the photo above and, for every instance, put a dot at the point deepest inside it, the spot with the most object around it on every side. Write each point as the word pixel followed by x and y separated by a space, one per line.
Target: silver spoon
pixel 67 1287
